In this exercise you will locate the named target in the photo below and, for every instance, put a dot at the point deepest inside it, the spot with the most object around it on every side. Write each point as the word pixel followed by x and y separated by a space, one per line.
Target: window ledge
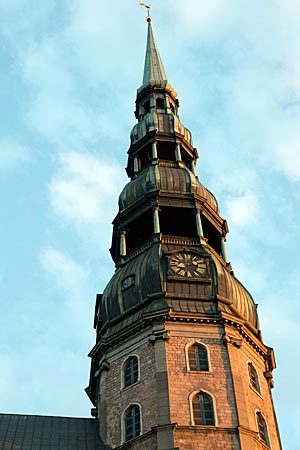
pixel 198 371
pixel 256 392
pixel 125 388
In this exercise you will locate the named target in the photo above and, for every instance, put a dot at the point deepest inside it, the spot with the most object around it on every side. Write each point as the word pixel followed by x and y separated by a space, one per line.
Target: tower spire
pixel 173 315
pixel 153 69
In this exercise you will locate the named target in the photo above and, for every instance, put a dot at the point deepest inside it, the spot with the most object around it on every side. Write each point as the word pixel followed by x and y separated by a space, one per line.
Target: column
pixel 178 153
pixel 223 249
pixel 156 224
pixel 135 165
pixel 193 166
pixel 123 243
pixel 154 153
pixel 199 224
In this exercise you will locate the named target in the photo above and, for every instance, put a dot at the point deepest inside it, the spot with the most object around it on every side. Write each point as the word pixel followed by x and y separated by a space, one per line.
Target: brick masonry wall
pixel 205 440
pixel 253 400
pixel 145 442
pixel 217 382
pixel 113 399
pixel 228 382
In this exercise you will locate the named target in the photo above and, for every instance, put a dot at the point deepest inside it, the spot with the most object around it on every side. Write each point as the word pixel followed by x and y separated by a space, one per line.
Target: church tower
pixel 179 361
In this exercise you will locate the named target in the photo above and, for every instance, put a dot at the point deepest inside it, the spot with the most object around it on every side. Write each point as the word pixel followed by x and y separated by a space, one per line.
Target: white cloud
pixel 55 110
pixel 242 211
pixel 286 149
pixel 12 155
pixel 66 272
pixel 290 9
pixel 105 52
pixel 76 292
pixel 60 118
pixel 16 19
pixel 199 17
pixel 254 280
pixel 85 188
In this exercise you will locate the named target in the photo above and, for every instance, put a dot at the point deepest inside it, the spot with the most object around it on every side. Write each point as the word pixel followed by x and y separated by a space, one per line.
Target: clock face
pixel 188 265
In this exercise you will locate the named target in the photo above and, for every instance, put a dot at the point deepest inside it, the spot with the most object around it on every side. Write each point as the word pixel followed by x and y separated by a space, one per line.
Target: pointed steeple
pixel 154 69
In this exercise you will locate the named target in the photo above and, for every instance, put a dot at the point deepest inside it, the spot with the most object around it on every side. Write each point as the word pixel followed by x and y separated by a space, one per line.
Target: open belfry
pixel 179 361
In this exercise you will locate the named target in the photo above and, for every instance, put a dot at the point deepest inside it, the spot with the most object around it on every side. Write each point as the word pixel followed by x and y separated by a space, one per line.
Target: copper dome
pixel 165 179
pixel 140 286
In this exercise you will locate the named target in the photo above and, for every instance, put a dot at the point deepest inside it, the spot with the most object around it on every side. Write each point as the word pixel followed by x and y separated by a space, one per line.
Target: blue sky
pixel 70 70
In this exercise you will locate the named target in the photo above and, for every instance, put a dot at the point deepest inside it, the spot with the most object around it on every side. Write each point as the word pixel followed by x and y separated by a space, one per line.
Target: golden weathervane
pixel 148 6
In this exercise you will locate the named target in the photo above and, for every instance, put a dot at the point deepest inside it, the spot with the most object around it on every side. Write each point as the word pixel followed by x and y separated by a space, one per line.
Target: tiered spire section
pixel 154 69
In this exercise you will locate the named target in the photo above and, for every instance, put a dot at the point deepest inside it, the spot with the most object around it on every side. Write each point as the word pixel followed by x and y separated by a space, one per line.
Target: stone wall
pixel 204 439
pixel 217 381
pixel 114 399
pixel 248 399
pixel 166 384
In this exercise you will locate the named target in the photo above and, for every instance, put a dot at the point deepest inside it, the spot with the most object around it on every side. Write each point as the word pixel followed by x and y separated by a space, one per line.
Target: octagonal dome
pixel 178 180
pixel 138 287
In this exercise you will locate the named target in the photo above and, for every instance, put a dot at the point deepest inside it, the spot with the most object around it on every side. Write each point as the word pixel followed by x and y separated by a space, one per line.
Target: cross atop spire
pixel 148 6
pixel 154 69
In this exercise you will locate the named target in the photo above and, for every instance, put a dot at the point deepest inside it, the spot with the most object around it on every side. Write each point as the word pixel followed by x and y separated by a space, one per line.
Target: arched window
pixel 132 422
pixel 253 377
pixel 203 409
pixel 262 428
pixel 130 371
pixel 197 357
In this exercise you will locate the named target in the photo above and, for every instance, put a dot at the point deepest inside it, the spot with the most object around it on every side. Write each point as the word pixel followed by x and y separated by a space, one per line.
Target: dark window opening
pixel 131 371
pixel 130 167
pixel 166 151
pixel 253 377
pixel 129 292
pixel 132 422
pixel 98 319
pixel 145 156
pixel 198 359
pixel 130 297
pixel 139 231
pixel 172 108
pixel 147 106
pixel 178 222
pixel 186 158
pixel 203 409
pixel 160 103
pixel 262 429
pixel 212 235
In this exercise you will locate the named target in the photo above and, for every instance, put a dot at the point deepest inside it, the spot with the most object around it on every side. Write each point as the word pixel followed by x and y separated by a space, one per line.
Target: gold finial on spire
pixel 148 6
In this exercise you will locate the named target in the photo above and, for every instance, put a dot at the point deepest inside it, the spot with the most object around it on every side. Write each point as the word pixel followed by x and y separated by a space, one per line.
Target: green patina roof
pixel 154 69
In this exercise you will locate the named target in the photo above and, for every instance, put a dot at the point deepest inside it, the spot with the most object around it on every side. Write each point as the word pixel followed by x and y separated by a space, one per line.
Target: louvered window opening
pixel 131 371
pixel 132 422
pixel 203 409
pixel 262 429
pixel 198 359
pixel 253 377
